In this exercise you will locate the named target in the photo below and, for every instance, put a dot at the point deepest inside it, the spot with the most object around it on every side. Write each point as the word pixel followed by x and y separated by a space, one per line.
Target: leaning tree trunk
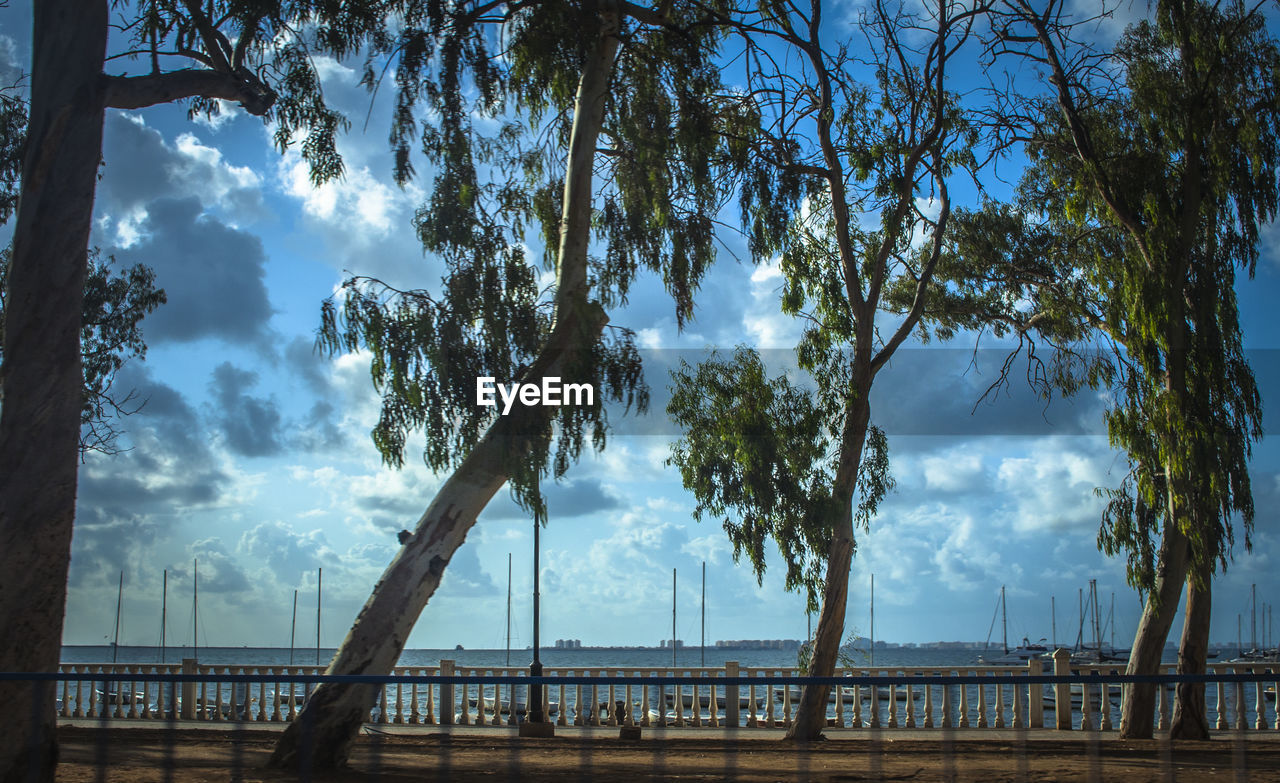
pixel 322 735
pixel 42 381
pixel 811 714
pixel 1190 718
pixel 1137 720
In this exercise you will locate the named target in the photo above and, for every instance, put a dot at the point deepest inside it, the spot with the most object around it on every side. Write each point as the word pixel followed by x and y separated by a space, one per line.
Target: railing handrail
pixel 847 681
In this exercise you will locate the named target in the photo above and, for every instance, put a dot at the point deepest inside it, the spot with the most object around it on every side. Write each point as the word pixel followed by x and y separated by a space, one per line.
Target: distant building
pixel 568 644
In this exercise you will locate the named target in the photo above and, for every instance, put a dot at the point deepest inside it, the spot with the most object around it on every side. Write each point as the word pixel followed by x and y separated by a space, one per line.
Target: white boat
pixel 704 700
pixel 864 692
pixel 551 707
pixel 1077 696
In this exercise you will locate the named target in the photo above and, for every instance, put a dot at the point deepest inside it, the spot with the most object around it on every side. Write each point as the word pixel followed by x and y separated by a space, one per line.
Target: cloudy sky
pixel 252 453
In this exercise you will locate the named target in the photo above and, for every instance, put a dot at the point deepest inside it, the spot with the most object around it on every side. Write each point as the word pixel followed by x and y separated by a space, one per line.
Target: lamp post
pixel 537 725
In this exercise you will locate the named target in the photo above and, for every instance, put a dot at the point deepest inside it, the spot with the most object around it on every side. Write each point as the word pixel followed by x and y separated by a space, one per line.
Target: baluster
pixel 713 704
pixel 596 706
pixel 946 706
pixel 217 699
pixel 911 707
pixel 752 719
pixel 1260 719
pixel 79 713
pixel 964 706
pixel 769 699
pixel 133 690
pixel 892 690
pixel 1276 689
pixel 678 698
pixel 1086 706
pixel 1241 723
pixel 873 705
pixel 430 717
pixel 928 706
pixel 982 704
pixel 1000 704
pixel 645 704
pixel 1106 706
pixel 856 722
pixel 119 699
pixel 66 698
pixel 579 717
pixel 563 707
pixel 786 705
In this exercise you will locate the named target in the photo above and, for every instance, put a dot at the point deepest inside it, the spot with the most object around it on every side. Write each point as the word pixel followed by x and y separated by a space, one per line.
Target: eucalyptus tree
pixel 849 190
pixel 256 53
pixel 1156 188
pixel 615 89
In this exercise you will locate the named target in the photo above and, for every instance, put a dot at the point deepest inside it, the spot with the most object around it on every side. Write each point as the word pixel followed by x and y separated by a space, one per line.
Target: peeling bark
pixel 811 714
pixel 1137 720
pixel 1190 718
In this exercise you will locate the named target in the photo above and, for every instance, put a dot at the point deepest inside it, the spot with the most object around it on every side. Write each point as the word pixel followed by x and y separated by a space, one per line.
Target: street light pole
pixel 535 668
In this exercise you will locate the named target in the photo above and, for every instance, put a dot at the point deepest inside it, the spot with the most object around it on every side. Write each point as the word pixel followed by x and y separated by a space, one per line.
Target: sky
pixel 252 454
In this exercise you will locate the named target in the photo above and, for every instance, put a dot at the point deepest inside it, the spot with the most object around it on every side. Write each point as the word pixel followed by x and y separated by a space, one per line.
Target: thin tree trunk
pixel 1190 718
pixel 811 714
pixel 1137 720
pixel 42 380
pixel 321 736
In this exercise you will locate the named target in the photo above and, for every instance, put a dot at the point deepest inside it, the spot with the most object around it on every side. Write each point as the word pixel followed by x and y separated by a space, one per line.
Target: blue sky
pixel 252 453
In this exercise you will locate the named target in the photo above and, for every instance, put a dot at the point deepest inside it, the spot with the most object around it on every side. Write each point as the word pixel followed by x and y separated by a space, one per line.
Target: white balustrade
pixel 122 692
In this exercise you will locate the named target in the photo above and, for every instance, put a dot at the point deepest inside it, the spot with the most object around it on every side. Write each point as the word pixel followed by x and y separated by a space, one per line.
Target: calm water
pixel 611 657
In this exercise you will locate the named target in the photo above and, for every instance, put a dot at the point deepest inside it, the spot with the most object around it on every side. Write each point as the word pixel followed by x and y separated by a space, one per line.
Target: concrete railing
pixel 1057 695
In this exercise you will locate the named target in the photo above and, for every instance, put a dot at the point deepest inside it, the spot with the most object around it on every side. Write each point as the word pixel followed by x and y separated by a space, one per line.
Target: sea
pixel 584 657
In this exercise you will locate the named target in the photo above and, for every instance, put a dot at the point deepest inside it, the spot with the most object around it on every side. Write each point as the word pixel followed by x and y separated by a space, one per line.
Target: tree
pixel 1159 186
pixel 619 87
pixel 250 53
pixel 802 466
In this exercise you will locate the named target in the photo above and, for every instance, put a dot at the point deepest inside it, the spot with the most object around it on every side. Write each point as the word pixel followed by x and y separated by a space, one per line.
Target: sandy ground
pixel 181 755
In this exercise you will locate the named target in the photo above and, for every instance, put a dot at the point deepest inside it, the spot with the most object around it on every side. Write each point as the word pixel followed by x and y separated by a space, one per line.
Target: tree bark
pixel 1190 718
pixel 811 714
pixel 1137 720
pixel 322 735
pixel 42 379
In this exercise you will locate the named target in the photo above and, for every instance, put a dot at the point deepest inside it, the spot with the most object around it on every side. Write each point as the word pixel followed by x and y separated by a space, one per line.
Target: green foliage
pixel 755 455
pixel 1144 201
pixel 110 335
pixel 489 93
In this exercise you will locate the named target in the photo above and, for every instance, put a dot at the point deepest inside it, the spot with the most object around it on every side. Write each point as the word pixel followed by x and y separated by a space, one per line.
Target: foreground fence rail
pixel 1071 697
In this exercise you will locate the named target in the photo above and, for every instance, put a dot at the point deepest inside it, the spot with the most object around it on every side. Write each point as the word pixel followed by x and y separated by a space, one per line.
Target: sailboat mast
pixel 1253 617
pixel 195 608
pixel 704 613
pixel 1112 621
pixel 1097 621
pixel 873 620
pixel 293 626
pixel 508 608
pixel 1004 622
pixel 1053 614
pixel 673 617
pixel 164 613
pixel 115 644
pixel 319 588
pixel 1080 632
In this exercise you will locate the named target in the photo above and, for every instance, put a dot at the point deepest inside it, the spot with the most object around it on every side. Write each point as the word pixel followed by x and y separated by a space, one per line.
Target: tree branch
pixel 135 92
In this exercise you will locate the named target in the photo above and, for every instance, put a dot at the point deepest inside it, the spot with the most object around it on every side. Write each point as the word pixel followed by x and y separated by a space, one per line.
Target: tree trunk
pixel 322 735
pixel 811 714
pixel 1190 719
pixel 1137 720
pixel 42 379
